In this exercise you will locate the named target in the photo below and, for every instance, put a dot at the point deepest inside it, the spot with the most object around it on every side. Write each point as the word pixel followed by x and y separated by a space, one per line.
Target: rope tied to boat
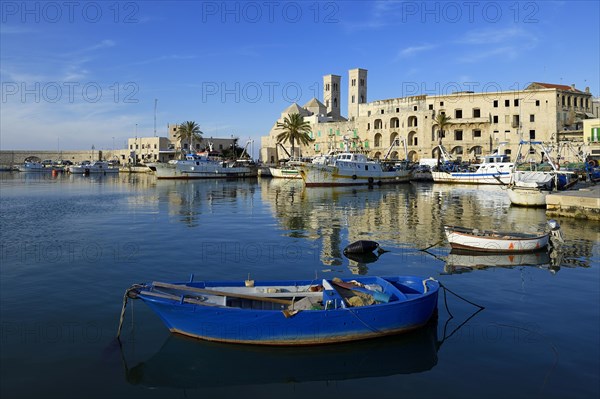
pixel 130 292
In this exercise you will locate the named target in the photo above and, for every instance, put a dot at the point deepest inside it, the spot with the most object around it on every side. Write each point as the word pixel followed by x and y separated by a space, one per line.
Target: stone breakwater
pixel 16 157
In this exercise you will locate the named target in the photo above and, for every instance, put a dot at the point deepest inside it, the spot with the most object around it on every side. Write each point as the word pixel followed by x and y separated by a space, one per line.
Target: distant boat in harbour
pixel 202 166
pixel 95 167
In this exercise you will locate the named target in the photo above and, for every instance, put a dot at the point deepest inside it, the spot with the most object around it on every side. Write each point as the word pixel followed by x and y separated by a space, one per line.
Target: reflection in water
pixel 188 200
pixel 408 216
pixel 183 362
pixel 465 261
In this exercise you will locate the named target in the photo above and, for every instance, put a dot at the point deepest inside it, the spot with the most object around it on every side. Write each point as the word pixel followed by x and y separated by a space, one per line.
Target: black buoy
pixel 361 247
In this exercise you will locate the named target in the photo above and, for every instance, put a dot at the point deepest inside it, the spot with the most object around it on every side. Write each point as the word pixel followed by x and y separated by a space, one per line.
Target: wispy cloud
pixel 501 43
pixel 413 50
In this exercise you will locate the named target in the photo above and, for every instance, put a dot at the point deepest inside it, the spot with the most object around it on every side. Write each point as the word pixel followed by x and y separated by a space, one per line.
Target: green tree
pixel 442 121
pixel 188 131
pixel 294 129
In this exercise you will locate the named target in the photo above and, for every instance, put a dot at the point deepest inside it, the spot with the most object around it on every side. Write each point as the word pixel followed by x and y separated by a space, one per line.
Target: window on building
pixel 430 107
pixel 368 113
pixel 495 119
pixel 362 99
pixel 516 102
pixel 516 121
pixel 362 82
pixel 381 112
pixel 507 103
pixel 415 108
pixel 397 110
pixel 476 113
pixel 532 135
pixel 476 133
pixel 458 135
pixel 137 146
pixel 531 118
pixel 458 113
pixel 441 103
pixel 352 99
pixel 131 146
pixel 537 103
pixel 353 82
pixel 327 87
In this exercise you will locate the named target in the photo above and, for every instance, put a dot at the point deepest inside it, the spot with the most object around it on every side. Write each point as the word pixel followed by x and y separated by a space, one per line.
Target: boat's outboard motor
pixel 555 232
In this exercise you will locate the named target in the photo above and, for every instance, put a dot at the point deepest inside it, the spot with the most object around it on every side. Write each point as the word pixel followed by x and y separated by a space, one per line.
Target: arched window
pixel 378 140
pixel 393 138
pixel 378 124
pixel 412 121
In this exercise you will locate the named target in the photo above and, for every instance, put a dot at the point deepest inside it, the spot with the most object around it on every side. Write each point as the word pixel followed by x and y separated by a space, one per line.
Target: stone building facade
pixel 404 128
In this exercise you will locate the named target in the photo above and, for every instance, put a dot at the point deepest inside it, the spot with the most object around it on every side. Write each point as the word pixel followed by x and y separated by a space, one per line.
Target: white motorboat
pixel 201 166
pixel 95 167
pixel 285 172
pixel 348 169
pixel 33 166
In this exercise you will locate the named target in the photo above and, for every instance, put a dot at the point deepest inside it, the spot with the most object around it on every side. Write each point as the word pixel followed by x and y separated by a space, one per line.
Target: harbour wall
pixel 16 157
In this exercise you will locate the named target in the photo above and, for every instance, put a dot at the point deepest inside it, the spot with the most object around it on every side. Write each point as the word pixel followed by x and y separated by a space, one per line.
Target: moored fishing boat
pixel 350 169
pixel 496 241
pixel 292 312
pixel 495 169
pixel 202 166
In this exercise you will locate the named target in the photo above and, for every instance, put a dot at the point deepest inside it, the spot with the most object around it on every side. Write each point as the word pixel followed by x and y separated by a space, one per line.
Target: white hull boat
pixel 96 167
pixel 350 169
pixel 33 167
pixel 285 173
pixel 200 167
pixel 495 241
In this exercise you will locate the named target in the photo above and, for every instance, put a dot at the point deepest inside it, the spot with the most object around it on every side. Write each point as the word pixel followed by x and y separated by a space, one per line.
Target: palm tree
pixel 188 131
pixel 442 121
pixel 294 128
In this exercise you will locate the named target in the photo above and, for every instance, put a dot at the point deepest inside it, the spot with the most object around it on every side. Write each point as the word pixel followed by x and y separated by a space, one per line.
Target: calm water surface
pixel 71 245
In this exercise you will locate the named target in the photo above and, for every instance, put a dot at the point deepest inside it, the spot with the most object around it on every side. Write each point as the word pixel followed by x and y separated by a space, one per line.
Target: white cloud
pixel 412 50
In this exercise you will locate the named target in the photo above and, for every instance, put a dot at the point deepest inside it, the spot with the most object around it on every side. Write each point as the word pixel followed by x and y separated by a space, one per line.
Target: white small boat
pixel 349 169
pixel 101 167
pixel 495 241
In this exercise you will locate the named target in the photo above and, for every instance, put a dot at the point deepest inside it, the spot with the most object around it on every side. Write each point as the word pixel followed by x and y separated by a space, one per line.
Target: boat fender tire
pixel 370 180
pixel 353 177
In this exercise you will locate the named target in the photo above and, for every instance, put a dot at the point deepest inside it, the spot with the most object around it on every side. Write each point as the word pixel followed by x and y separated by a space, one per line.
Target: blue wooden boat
pixel 292 312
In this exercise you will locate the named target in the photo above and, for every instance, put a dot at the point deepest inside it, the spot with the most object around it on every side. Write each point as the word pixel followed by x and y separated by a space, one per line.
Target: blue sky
pixel 77 74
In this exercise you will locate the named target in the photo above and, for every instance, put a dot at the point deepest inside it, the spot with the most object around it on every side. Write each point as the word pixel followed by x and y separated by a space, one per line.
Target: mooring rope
pixel 125 298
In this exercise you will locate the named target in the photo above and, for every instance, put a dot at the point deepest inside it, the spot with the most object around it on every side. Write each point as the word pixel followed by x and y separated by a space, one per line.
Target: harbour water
pixel 71 245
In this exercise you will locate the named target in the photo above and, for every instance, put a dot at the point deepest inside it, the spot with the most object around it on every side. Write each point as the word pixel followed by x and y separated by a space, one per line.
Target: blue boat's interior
pixel 325 294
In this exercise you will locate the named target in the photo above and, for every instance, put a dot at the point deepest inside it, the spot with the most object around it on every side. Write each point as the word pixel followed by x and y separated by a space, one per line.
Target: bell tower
pixel 357 91
pixel 331 94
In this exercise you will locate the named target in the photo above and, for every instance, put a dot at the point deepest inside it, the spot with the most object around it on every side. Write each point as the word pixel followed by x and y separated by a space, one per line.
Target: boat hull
pixel 285 173
pixel 82 170
pixel 471 178
pixel 315 175
pixel 203 170
pixel 488 241
pixel 524 196
pixel 412 310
